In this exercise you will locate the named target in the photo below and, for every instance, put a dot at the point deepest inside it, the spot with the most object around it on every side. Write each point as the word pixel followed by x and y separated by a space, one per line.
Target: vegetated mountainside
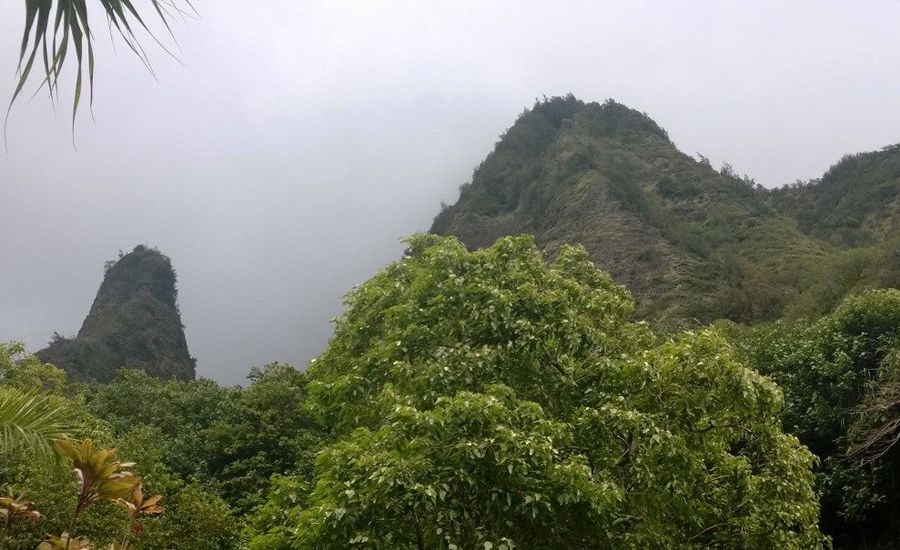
pixel 855 207
pixel 692 243
pixel 855 203
pixel 134 323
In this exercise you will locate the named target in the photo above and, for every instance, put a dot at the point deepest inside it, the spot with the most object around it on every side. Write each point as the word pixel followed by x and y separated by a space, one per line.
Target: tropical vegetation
pixel 733 384
pixel 134 323
pixel 841 382
pixel 57 31
pixel 482 399
pixel 693 244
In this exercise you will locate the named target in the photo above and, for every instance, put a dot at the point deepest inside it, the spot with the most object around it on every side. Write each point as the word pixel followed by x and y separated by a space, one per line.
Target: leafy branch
pixel 52 27
pixel 30 421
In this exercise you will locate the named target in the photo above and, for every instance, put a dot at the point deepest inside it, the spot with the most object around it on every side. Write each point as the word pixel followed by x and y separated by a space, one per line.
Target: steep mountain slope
pixel 692 243
pixel 856 207
pixel 134 323
pixel 856 202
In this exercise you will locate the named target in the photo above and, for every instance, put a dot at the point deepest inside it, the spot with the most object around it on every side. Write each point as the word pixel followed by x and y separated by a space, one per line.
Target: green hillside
pixel 692 243
pixel 133 323
pixel 856 202
pixel 500 392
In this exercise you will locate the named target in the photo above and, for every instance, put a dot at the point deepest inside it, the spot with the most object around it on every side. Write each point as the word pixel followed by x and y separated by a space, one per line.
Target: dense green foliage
pixel 492 400
pixel 852 203
pixel 841 378
pixel 691 242
pixel 506 396
pixel 231 439
pixel 488 399
pixel 207 450
pixel 29 418
pixel 133 323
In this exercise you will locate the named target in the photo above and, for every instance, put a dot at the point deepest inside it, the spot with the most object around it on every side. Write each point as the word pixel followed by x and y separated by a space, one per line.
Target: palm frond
pixel 29 422
pixel 52 26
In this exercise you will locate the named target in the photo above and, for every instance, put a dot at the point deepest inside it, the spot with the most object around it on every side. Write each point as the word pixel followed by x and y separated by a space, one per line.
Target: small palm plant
pixel 138 507
pixel 14 507
pixel 100 476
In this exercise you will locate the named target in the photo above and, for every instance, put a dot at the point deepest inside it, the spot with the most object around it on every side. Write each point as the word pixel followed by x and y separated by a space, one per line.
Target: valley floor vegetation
pixel 483 399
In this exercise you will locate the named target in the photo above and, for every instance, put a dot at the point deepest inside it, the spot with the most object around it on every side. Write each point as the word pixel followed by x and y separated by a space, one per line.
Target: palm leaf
pixel 29 422
pixel 70 24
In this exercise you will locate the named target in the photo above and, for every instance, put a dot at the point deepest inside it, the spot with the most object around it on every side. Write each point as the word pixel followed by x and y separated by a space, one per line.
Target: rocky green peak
pixel 134 322
pixel 692 243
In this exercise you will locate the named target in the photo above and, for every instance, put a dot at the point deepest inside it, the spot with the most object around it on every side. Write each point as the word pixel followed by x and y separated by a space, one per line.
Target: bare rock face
pixel 133 323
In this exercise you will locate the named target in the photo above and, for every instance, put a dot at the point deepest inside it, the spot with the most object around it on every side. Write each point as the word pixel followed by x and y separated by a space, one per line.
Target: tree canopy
pixel 489 399
pixel 841 378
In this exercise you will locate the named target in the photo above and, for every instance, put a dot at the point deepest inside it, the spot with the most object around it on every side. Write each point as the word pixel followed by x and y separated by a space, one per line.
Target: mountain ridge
pixel 692 243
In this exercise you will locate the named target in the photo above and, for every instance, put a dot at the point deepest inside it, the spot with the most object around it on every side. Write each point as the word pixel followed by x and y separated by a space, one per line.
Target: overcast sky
pixel 298 141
